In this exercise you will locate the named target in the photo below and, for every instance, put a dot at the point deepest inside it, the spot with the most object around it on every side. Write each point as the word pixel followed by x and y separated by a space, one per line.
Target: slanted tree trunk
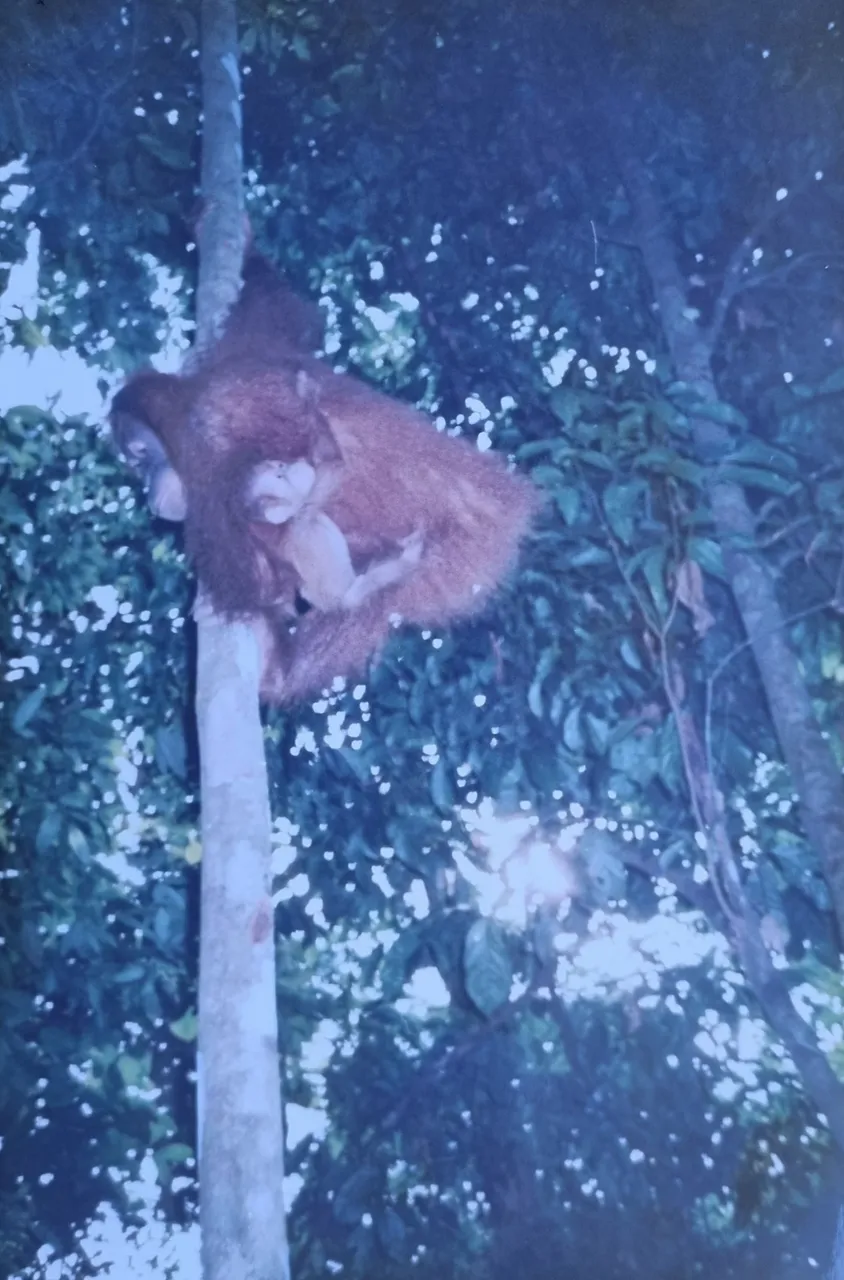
pixel 241 1154
pixel 813 768
pixel 814 771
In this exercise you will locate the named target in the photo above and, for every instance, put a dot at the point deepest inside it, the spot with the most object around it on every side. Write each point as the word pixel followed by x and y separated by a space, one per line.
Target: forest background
pixel 531 1026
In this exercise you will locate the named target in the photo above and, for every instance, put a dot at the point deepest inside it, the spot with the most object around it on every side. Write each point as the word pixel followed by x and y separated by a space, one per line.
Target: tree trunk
pixel 814 771
pixel 836 1270
pixel 241 1151
pixel 241 1154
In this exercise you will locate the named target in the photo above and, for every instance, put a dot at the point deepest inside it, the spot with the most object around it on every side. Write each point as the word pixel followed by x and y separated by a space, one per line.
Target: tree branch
pixel 733 282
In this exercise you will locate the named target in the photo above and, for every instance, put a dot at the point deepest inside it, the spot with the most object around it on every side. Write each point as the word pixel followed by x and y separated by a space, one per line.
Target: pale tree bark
pixel 814 771
pixel 729 908
pixel 836 1269
pixel 730 912
pixel 241 1153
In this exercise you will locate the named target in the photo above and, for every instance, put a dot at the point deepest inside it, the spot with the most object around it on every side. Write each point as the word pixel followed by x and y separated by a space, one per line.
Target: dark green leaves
pixel 487 968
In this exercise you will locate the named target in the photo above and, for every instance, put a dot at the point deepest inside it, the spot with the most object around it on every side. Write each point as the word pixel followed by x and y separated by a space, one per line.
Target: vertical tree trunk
pixel 836 1269
pixel 241 1153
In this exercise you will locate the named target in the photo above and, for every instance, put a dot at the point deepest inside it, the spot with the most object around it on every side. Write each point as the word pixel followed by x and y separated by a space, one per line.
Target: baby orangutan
pixel 288 494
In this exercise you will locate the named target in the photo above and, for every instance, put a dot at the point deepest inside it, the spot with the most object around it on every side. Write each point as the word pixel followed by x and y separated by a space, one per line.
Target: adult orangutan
pixel 294 480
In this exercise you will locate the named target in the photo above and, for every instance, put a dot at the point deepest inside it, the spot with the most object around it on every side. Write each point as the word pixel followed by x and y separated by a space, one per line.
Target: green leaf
pixel 534 698
pixel 131 973
pixel 720 411
pixel 630 656
pixel 32 944
pixel 166 154
pixel 393 1234
pixel 169 1157
pixel 186 1027
pixel 533 449
pixel 652 564
pixel 399 962
pixel 707 553
pixel 542 767
pixel 541 607
pixel 47 835
pixel 598 731
pixel 78 843
pixel 418 702
pixel 565 405
pixel 134 1070
pixel 595 459
pixel 670 416
pixel 666 462
pixel 694 404
pixel 673 852
pixel 171 750
pixel 355 1195
pixel 28 708
pixel 567 501
pixel 487 968
pixel 588 557
pixel 356 761
pixel 621 506
pixel 351 73
pixel 547 477
pixel 442 791
pixel 604 868
pixel 833 383
pixel 24 416
pixel 756 478
pixel 757 453
pixel 634 757
pixel 633 417
pixel 572 733
pixel 667 749
pixel 162 925
pixel 547 661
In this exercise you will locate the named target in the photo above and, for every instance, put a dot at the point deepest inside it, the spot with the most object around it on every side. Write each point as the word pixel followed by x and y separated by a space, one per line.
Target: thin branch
pixel 778 274
pixel 53 167
pixel 651 624
pixel 738 649
pixel 733 280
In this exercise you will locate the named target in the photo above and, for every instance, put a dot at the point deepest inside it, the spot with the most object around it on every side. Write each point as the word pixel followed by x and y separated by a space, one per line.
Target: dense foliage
pixel 591 1085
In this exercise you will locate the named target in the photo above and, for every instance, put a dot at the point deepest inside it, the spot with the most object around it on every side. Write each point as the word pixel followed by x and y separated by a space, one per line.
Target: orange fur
pixel 384 474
